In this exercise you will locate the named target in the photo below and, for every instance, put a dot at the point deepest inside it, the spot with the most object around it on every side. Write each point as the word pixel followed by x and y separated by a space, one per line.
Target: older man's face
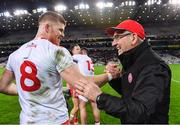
pixel 122 41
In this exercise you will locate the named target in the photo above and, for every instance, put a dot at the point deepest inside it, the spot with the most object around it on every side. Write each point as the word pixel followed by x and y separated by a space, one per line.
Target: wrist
pixel 101 100
pixel 98 98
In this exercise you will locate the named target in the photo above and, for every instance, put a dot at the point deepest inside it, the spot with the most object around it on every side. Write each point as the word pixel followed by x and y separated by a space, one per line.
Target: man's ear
pixel 46 28
pixel 134 39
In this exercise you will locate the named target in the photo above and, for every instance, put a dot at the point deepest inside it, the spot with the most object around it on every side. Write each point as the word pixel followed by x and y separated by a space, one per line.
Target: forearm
pixel 111 104
pixel 122 108
pixel 72 75
pixel 110 74
pixel 100 80
pixel 6 86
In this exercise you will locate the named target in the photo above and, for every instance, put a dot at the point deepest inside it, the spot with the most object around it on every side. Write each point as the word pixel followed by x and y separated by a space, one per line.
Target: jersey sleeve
pixel 63 59
pixel 9 62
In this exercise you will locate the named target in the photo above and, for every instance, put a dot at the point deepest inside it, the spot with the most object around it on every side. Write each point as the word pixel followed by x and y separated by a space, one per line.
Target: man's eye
pixel 61 30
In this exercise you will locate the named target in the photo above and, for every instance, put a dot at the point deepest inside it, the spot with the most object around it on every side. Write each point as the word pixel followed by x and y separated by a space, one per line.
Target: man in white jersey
pixel 86 67
pixel 96 111
pixel 38 67
pixel 75 49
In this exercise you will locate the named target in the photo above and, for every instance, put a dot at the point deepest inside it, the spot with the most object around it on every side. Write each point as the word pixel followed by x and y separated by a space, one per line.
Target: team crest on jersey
pixel 130 78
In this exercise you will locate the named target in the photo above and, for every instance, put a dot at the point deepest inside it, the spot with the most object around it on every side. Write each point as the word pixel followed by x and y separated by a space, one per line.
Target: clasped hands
pixel 89 89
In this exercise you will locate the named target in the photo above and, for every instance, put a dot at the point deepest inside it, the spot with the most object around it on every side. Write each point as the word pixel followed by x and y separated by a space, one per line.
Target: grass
pixel 10 109
pixel 175 95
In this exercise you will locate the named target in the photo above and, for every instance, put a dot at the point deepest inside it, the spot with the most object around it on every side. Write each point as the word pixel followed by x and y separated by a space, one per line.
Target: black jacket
pixel 144 86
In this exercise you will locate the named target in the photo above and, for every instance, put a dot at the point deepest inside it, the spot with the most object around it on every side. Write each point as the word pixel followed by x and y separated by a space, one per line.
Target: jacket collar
pixel 128 58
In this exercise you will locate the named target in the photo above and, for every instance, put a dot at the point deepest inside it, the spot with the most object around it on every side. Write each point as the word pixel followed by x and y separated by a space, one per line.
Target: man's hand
pixel 89 90
pixel 113 68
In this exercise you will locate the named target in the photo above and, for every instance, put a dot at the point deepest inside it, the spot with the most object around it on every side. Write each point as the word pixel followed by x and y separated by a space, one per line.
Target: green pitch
pixel 10 109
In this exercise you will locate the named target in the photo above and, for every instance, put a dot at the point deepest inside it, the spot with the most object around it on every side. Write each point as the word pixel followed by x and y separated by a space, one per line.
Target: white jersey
pixel 85 64
pixel 36 66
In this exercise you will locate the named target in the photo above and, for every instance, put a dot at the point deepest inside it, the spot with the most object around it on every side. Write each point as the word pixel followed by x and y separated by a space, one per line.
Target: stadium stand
pixel 100 47
pixel 86 25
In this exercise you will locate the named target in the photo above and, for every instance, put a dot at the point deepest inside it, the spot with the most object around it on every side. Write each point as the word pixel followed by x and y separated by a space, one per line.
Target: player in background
pixel 86 67
pixel 74 112
pixel 38 67
pixel 89 71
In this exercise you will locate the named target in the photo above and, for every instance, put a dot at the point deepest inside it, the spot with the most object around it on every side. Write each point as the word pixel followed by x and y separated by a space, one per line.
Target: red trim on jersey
pixel 45 39
pixel 66 123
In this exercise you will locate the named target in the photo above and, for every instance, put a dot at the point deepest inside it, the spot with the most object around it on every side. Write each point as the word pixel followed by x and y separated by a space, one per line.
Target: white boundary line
pixel 175 81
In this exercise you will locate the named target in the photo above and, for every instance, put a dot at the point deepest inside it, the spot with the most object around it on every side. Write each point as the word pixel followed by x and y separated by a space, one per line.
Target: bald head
pixel 52 17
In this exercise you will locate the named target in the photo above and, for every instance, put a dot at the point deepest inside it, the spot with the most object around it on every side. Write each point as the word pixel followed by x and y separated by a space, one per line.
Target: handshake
pixel 113 70
pixel 90 88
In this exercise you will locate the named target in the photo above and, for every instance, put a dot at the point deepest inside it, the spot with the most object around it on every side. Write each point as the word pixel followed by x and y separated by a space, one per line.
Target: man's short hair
pixel 72 47
pixel 51 16
pixel 85 49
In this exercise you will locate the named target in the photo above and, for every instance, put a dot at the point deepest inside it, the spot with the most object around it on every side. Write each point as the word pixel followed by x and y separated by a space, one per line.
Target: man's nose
pixel 62 34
